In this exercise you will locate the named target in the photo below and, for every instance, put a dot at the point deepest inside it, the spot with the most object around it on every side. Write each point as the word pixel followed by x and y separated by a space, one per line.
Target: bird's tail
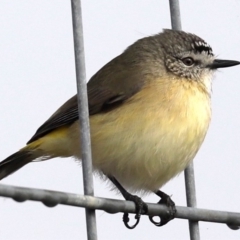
pixel 18 160
pixel 14 162
pixel 54 144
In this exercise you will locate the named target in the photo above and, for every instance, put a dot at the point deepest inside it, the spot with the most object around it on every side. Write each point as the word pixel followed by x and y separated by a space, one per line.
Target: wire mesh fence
pixel 51 198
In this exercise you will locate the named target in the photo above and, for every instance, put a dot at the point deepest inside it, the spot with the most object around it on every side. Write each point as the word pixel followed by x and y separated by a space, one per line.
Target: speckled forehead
pixel 201 46
pixel 183 42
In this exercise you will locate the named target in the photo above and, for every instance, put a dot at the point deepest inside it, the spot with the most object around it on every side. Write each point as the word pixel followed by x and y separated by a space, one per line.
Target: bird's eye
pixel 188 61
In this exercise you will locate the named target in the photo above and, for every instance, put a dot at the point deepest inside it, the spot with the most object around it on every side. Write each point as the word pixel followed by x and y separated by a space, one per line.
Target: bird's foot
pixel 141 208
pixel 165 199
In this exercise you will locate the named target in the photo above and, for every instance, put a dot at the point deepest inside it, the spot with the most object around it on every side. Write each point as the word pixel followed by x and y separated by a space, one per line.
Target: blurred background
pixel 37 75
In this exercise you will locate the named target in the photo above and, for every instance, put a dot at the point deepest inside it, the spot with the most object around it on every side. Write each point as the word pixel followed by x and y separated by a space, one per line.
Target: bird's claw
pixel 165 199
pixel 141 208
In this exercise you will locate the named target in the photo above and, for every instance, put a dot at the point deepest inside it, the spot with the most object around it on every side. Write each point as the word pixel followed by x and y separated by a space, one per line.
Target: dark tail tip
pixel 14 162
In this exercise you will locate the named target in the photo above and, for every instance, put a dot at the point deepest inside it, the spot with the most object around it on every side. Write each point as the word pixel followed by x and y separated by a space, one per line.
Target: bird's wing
pixel 116 82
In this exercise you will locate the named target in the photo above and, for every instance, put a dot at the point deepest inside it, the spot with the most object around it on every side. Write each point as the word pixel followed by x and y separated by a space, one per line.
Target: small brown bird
pixel 149 113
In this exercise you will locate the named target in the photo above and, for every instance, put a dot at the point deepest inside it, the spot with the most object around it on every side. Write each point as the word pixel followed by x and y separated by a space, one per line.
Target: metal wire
pixel 191 200
pixel 83 114
pixel 90 203
pixel 189 172
pixel 175 14
pixel 53 198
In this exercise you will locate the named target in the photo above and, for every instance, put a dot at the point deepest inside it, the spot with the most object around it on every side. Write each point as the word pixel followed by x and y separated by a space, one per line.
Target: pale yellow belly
pixel 143 145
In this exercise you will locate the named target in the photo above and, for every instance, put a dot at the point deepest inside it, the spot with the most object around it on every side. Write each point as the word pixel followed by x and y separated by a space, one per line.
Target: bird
pixel 149 112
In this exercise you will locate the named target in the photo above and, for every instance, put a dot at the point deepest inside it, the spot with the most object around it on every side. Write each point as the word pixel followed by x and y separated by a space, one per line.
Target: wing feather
pixel 107 89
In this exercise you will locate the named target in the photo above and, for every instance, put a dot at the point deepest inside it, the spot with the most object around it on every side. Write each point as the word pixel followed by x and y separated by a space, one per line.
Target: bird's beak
pixel 217 63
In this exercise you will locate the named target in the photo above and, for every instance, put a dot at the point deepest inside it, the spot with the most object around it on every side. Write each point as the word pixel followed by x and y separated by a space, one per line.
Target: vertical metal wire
pixel 191 200
pixel 189 172
pixel 83 114
pixel 175 14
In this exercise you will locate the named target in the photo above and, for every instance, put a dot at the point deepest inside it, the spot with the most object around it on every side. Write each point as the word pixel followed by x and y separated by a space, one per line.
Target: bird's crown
pixel 185 55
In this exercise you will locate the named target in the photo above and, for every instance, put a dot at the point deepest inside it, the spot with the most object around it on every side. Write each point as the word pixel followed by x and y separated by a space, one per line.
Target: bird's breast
pixel 151 137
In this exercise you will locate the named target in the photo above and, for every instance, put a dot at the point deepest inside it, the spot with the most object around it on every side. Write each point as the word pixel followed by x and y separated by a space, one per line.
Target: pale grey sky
pixel 37 75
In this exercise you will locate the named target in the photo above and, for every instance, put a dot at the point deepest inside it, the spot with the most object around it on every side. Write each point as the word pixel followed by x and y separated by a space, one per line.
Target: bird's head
pixel 188 56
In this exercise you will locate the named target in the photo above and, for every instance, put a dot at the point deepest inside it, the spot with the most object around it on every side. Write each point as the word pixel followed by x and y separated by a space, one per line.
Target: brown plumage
pixel 149 113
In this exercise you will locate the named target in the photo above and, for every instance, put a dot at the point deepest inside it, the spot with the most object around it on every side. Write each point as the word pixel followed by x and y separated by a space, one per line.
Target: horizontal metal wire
pixel 53 198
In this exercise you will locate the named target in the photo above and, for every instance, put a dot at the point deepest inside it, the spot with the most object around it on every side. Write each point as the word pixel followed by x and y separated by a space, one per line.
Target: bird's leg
pixel 141 207
pixel 165 199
